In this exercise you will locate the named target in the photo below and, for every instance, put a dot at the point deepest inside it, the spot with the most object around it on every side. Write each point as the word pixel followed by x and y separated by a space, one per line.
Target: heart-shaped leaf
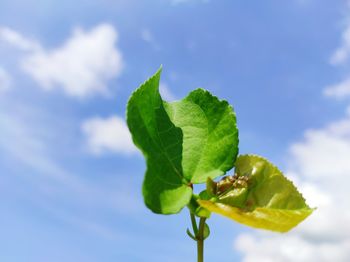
pixel 259 195
pixel 184 142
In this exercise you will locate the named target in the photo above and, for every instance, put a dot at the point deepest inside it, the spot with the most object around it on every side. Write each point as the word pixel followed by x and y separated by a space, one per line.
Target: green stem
pixel 198 235
pixel 200 240
pixel 194 224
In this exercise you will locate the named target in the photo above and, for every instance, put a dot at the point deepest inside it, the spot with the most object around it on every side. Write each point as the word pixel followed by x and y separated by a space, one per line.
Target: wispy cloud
pixel 166 93
pixel 339 91
pixel 108 135
pixel 80 67
pixel 5 80
pixel 29 144
pixel 341 54
pixel 148 37
pixel 19 41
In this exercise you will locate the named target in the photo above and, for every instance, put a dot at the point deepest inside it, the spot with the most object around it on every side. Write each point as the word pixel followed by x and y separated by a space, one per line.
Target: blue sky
pixel 70 178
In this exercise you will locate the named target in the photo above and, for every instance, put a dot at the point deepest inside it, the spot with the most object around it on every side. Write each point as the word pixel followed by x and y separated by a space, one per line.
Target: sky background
pixel 70 177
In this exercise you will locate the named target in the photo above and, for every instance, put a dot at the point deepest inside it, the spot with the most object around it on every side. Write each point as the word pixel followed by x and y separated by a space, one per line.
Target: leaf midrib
pixel 160 149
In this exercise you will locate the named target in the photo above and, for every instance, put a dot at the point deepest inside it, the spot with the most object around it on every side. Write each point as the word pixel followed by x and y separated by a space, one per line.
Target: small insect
pixel 231 182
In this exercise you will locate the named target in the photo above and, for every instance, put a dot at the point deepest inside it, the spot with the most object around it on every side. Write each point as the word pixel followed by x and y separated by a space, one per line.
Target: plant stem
pixel 200 240
pixel 200 248
pixel 194 224
pixel 199 235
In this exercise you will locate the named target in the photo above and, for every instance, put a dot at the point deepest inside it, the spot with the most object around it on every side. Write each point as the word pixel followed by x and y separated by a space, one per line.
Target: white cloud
pixel 270 248
pixel 329 148
pixel 341 55
pixel 80 67
pixel 338 91
pixel 108 135
pixel 19 41
pixel 5 80
pixel 321 162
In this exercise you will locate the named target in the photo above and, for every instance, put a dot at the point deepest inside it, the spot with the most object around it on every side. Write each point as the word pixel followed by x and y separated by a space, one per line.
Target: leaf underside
pixel 183 142
pixel 270 200
pixel 278 220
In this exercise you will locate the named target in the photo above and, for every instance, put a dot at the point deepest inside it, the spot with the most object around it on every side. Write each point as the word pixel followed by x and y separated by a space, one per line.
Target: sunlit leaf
pixel 184 142
pixel 259 195
pixel 210 135
pixel 164 189
pixel 279 220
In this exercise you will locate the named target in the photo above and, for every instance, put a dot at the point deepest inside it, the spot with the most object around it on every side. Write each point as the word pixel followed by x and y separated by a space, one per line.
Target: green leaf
pixel 189 233
pixel 210 135
pixel 164 189
pixel 183 142
pixel 195 208
pixel 260 196
pixel 279 220
pixel 206 231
